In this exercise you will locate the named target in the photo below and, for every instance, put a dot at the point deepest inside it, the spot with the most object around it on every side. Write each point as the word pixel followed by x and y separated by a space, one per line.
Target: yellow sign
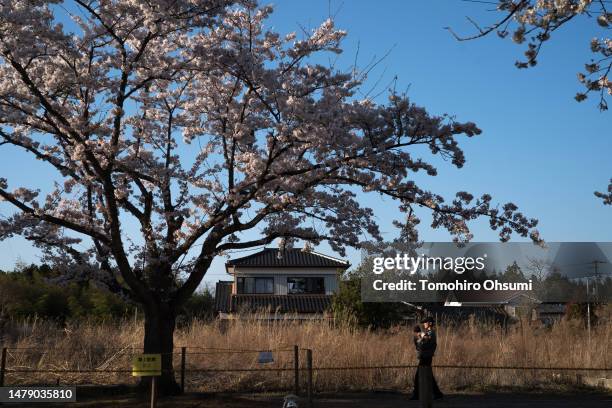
pixel 146 365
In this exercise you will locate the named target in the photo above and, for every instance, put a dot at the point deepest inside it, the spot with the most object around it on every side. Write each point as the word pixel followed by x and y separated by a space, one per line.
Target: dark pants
pixel 425 361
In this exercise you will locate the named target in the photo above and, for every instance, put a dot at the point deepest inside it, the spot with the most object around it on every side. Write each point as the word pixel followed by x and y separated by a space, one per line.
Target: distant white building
pixel 277 282
pixel 515 304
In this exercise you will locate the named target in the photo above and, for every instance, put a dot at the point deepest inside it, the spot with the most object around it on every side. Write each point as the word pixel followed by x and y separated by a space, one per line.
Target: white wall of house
pixel 281 274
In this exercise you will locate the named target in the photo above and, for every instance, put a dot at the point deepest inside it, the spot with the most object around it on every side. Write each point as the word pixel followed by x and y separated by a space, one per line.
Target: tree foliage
pixel 348 308
pixel 33 292
pixel 29 292
pixel 513 273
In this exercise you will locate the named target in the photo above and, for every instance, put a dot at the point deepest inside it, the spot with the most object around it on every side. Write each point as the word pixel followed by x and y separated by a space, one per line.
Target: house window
pixel 256 286
pixel 303 285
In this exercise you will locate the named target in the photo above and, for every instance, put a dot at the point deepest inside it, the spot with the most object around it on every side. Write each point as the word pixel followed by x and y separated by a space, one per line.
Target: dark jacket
pixel 426 346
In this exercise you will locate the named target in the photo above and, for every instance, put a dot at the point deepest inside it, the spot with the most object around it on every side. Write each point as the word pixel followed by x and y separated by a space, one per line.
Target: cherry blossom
pixel 197 122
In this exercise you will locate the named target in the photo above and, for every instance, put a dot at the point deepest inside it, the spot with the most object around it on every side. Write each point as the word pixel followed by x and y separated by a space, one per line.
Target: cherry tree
pixel 192 119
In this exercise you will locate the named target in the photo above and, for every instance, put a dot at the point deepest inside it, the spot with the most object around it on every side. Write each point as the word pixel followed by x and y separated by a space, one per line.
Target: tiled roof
pixel 225 302
pixel 281 303
pixel 294 257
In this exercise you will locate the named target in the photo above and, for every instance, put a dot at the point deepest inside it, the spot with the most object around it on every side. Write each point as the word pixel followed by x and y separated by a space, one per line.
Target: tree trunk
pixel 160 322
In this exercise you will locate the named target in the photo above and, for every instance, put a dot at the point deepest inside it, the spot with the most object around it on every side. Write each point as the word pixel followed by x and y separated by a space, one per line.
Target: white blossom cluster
pixel 199 123
pixel 538 20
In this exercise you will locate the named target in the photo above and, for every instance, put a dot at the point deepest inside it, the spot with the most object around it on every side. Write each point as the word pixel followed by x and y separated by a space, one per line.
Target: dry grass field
pixel 106 349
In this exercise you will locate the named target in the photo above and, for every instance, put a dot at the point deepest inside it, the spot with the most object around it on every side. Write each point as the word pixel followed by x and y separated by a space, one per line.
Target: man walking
pixel 425 343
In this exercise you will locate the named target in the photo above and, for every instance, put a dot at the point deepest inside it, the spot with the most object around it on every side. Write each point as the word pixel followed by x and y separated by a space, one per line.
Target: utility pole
pixel 588 312
pixel 596 264
pixel 596 268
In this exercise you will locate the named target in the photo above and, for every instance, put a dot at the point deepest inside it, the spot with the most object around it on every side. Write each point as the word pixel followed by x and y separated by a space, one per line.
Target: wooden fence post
pixel 2 366
pixel 425 386
pixel 296 367
pixel 309 367
pixel 183 360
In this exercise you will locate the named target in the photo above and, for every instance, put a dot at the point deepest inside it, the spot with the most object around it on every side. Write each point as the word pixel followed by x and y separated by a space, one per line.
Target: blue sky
pixel 539 148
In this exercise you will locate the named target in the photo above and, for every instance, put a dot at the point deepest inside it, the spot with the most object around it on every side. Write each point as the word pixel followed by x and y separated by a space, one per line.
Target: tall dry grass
pixel 98 347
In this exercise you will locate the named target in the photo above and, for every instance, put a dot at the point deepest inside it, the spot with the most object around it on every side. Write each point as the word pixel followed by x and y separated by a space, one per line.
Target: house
pixel 275 282
pixel 548 313
pixel 515 304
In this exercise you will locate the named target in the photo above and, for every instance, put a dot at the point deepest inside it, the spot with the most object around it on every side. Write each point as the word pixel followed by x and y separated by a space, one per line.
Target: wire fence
pixel 289 368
